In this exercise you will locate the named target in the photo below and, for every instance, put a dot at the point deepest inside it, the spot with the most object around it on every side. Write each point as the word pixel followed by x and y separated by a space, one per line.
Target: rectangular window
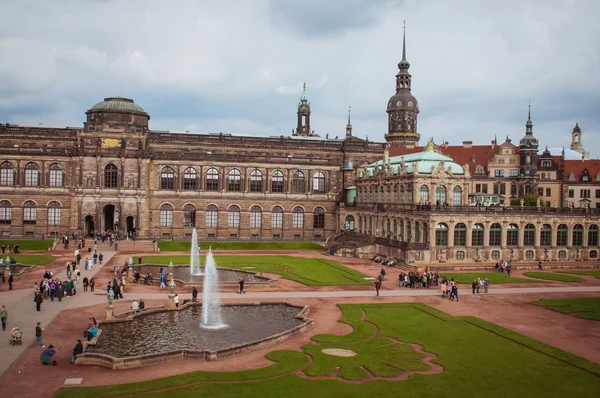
pixel 597 193
pixel 298 220
pixel 277 220
pixel 585 193
pixel 56 178
pixel 499 173
pixel 540 191
pixel 29 215
pixel 54 216
pixel 233 219
pixel 211 218
pixel 5 215
pixel 548 191
pixel 7 177
pixel 513 190
pixel 166 218
pixel 571 193
pixel 31 178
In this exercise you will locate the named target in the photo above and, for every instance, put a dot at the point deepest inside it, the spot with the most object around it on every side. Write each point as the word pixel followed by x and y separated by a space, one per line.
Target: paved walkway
pixel 100 298
pixel 22 314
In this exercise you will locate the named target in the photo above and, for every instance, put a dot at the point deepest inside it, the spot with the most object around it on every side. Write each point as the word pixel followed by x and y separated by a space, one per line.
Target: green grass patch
pixel 29 244
pixel 174 246
pixel 38 259
pixel 595 273
pixel 584 308
pixel 479 359
pixel 553 277
pixel 494 277
pixel 309 271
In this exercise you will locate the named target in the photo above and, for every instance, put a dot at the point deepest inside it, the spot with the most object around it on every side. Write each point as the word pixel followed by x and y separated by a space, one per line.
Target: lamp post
pixel 7 261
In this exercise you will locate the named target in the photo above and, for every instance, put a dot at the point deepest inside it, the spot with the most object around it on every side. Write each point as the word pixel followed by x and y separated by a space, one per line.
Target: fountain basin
pixel 181 274
pixel 163 335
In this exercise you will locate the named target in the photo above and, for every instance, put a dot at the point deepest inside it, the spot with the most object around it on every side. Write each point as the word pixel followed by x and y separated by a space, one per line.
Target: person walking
pixel 100 258
pixel 3 316
pixel 540 265
pixel 86 283
pixel 10 281
pixel 382 274
pixel 241 283
pixel 38 336
pixel 377 285
pixel 194 294
pixel 454 293
pixel 76 351
pixel 92 284
pixel 176 299
pixel 474 285
pixel 38 301
pixel 60 291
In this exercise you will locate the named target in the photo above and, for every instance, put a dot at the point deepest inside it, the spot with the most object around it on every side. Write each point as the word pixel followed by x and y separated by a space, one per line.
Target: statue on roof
pixel 430 145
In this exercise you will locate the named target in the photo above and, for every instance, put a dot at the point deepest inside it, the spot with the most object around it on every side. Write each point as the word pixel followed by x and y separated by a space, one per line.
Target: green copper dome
pixel 117 104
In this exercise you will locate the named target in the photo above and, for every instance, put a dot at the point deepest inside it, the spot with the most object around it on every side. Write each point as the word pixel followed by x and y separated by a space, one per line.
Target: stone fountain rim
pixel 267 281
pixel 89 358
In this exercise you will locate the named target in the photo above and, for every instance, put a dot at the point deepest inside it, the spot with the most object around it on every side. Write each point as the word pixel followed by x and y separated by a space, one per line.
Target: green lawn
pixel 309 271
pixel 479 359
pixel 38 259
pixel 31 244
pixel 585 308
pixel 494 277
pixel 553 277
pixel 174 246
pixel 595 273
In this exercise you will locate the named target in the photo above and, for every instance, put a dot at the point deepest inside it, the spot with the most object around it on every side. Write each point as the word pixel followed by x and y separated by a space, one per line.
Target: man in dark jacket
pixel 77 350
pixel 10 281
pixel 194 294
pixel 38 301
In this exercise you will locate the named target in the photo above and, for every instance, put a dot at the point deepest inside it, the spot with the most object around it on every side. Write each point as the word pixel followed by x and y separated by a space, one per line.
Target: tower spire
pixel 404 43
pixel 349 125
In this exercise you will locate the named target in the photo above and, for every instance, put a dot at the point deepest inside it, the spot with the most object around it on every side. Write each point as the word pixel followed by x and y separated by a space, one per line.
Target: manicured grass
pixel 174 246
pixel 595 273
pixel 39 259
pixel 494 277
pixel 32 244
pixel 553 277
pixel 479 359
pixel 585 308
pixel 309 271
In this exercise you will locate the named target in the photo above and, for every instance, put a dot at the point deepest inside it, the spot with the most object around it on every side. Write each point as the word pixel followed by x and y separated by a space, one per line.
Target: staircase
pixel 138 246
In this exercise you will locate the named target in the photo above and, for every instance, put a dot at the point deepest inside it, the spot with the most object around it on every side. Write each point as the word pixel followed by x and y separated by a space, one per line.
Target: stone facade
pixel 117 174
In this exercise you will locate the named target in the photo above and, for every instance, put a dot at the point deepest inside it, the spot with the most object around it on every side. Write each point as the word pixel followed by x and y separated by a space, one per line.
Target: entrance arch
pixel 130 224
pixel 89 225
pixel 349 223
pixel 109 217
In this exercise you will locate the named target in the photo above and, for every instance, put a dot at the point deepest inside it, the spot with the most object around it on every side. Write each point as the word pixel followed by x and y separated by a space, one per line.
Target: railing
pixel 401 245
pixel 386 207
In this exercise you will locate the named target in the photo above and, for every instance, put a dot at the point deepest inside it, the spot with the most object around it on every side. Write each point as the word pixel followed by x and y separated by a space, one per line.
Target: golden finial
pixel 430 145
pixel 405 24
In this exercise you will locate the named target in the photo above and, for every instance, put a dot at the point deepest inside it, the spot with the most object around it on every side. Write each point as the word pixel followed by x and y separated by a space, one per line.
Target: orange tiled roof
pixel 577 166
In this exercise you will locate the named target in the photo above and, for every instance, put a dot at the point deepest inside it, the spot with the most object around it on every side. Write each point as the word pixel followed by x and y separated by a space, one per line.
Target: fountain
pixel 211 307
pixel 195 255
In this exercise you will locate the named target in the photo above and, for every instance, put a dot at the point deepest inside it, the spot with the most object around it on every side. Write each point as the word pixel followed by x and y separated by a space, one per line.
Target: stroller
pixel 16 337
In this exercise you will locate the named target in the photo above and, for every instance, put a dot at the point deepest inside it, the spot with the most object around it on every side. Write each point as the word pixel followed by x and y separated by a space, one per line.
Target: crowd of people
pixel 389 262
pixel 506 266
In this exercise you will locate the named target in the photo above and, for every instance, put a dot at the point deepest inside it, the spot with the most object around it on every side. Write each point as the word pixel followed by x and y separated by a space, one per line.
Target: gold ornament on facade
pixel 111 143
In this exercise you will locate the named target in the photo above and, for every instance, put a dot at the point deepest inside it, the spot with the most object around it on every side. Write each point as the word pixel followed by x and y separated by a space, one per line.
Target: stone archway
pixel 130 224
pixel 108 213
pixel 89 225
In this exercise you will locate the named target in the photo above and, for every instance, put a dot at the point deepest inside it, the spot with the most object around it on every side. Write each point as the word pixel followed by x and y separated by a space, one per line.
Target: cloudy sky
pixel 238 66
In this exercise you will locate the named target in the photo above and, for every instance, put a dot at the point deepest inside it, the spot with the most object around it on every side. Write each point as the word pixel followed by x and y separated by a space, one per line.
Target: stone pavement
pixel 22 313
pixel 100 297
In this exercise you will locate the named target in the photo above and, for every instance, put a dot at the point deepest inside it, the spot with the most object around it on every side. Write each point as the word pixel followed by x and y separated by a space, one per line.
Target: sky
pixel 239 65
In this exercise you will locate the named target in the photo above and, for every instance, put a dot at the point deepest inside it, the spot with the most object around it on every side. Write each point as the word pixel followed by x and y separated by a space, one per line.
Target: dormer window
pixel 479 170
pixel 473 158
pixel 546 163
pixel 598 177
pixel 572 176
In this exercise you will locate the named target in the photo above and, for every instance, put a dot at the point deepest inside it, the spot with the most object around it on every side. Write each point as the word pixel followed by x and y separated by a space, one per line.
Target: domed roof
pixel 403 100
pixel 117 104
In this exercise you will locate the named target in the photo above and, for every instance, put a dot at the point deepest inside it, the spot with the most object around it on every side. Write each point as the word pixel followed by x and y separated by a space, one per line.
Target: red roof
pixel 578 166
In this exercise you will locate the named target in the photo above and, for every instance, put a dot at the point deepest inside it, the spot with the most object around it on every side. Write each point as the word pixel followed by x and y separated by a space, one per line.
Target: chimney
pixel 467 144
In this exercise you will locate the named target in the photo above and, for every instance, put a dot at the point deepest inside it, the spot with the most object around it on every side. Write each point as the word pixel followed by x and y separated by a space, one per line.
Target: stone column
pixel 569 235
pixel 469 234
pixel 451 235
pixel 521 242
pixel 486 234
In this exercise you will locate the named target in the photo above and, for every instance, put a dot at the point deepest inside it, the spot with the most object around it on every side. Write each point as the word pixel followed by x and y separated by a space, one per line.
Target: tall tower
pixel 528 156
pixel 403 108
pixel 577 140
pixel 349 125
pixel 303 128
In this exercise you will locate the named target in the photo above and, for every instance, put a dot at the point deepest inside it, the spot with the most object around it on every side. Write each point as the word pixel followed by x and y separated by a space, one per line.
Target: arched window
pixel 7 174
pixel 277 181
pixel 477 235
pixel 319 218
pixel 233 216
pixel 395 229
pixel 408 231
pixel 441 235
pixel 190 179
pixel 110 176
pixel 460 235
pixel 319 182
pixel 424 194
pixel 561 235
pixel 401 232
pixel 189 215
pixel 401 194
pixel 56 175
pixel 212 216
pixel 54 209
pixel 277 217
pixel 167 178
pixel 32 175
pixel 512 235
pixel 29 212
pixel 529 235
pixel 166 215
pixel 495 234
pixel 396 198
pixel 440 194
pixel 298 217
pixel 255 217
pixel 298 182
pixel 234 180
pixel 546 236
pixel 409 192
pixel 457 196
pixel 212 179
pixel 256 181
pixel 417 232
pixel 593 235
pixel 578 235
pixel 5 212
